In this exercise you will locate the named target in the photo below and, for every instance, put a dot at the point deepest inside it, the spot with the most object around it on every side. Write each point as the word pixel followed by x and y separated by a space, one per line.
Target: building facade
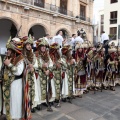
pixel 110 20
pixel 37 17
pixel 100 24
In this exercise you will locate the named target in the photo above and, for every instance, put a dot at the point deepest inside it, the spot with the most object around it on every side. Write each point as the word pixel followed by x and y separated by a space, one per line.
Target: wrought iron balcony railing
pixel 85 1
pixel 113 21
pixel 47 6
pixel 61 10
pixel 85 18
pixel 41 4
pixel 30 2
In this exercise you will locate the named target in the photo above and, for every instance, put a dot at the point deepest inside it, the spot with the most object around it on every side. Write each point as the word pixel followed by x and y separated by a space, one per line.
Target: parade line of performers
pixel 52 74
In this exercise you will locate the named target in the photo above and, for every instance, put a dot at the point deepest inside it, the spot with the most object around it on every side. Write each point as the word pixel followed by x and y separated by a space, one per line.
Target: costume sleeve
pixel 111 62
pixel 19 68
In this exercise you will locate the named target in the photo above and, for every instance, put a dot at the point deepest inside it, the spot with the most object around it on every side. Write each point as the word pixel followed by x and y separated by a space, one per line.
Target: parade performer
pixel 45 80
pixel 30 91
pixel 57 70
pixel 92 55
pixel 12 82
pixel 110 77
pixel 86 48
pixel 81 82
pixel 118 67
pixel 99 66
pixel 68 88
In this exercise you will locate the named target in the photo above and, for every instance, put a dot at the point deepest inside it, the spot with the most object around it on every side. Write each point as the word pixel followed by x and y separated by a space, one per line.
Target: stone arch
pixel 35 27
pixel 41 24
pixel 9 27
pixel 64 29
pixel 12 20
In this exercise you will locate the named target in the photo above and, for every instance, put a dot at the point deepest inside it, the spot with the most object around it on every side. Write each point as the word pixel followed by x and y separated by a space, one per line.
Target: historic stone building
pixel 38 17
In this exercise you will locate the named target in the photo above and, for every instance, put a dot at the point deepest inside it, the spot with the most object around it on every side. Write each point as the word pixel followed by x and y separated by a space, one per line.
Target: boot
pixel 69 99
pixel 80 96
pixel 105 88
pixel 95 89
pixel 33 110
pixel 64 99
pixel 39 107
pixel 58 105
pixel 112 88
pixel 49 109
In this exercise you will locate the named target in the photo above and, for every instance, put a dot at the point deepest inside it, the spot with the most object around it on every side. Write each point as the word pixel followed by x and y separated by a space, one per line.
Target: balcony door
pixel 39 3
pixel 82 12
pixel 63 7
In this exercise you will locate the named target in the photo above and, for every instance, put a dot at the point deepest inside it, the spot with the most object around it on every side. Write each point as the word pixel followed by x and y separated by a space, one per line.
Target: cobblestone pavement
pixel 100 106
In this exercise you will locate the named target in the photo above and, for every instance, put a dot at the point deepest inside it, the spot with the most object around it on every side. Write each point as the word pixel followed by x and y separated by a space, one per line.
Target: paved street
pixel 100 106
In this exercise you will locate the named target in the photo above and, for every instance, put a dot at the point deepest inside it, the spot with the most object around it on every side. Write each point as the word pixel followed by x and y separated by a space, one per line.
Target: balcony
pixel 30 2
pixel 113 21
pixel 41 4
pixel 61 10
pixel 46 6
pixel 84 1
pixel 85 18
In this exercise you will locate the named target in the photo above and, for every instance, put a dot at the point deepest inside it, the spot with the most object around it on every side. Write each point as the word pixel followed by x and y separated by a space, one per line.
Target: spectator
pixel 50 40
pixel 72 43
pixel 47 37
pixel 78 38
pixel 104 39
pixel 73 40
pixel 59 39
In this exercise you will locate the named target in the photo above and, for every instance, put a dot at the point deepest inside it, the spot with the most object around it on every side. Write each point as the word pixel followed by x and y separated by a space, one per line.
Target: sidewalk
pixel 100 106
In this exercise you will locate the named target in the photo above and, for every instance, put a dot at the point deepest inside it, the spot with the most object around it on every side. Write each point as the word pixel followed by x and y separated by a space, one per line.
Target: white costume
pixel 12 85
pixel 36 98
pixel 16 92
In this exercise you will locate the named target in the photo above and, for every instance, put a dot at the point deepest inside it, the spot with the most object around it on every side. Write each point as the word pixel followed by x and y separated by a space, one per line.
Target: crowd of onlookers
pixel 61 40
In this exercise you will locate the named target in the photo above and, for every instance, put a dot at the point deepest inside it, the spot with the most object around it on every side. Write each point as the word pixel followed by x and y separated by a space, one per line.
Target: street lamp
pixel 94 33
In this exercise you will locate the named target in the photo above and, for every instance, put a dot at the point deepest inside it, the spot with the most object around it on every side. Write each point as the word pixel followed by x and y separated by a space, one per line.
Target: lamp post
pixel 94 34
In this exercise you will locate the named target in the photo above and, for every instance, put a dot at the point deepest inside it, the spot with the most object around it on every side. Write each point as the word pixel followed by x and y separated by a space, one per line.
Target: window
pixel 63 7
pixel 82 12
pixel 114 1
pixel 39 3
pixel 113 32
pixel 102 19
pixel 113 17
pixel 101 28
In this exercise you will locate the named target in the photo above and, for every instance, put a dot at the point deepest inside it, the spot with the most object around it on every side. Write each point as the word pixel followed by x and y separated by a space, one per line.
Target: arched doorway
pixel 7 29
pixel 65 33
pixel 37 31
